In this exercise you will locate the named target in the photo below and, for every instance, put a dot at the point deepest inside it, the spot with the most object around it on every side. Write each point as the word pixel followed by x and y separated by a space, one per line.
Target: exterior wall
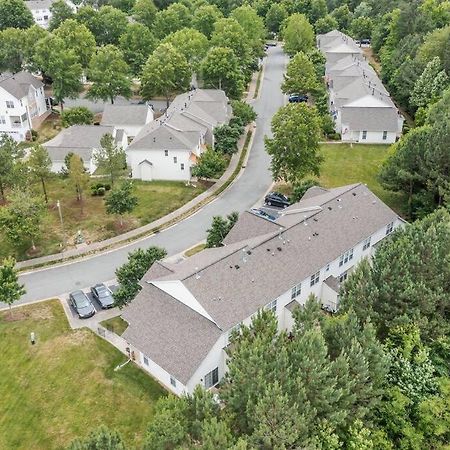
pixel 163 167
pixel 42 17
pixel 329 297
pixel 373 137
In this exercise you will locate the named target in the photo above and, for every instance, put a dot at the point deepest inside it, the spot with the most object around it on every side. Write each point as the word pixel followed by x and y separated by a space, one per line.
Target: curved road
pixel 241 195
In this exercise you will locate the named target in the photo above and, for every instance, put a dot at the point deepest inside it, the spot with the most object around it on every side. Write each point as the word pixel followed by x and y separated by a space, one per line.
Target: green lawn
pixel 65 385
pixel 115 324
pixel 361 163
pixel 155 200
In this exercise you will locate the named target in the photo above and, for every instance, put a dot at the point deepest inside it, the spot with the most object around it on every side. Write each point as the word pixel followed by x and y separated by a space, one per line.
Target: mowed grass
pixel 65 385
pixel 155 200
pixel 115 324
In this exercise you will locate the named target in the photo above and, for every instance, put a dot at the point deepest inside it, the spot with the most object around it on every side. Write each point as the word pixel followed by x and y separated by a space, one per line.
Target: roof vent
pixel 330 208
pixel 268 249
pixel 236 266
pixel 249 252
pixel 309 238
pixel 315 219
pixel 373 202
pixel 339 200
pixel 279 249
pixel 354 194
pixel 273 253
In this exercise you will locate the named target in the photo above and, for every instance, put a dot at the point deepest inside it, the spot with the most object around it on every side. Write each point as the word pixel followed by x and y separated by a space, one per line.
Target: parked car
pixel 277 199
pixel 261 213
pixel 298 98
pixel 103 295
pixel 81 304
pixel 271 44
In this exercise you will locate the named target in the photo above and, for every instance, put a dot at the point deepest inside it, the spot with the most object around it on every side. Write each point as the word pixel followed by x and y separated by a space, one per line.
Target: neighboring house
pixel 22 104
pixel 130 118
pixel 82 140
pixel 180 322
pixel 168 147
pixel 41 10
pixel 359 104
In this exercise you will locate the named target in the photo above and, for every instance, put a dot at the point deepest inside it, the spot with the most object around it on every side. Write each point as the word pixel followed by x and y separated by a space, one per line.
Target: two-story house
pixel 22 104
pixel 181 321
pixel 168 147
pixel 41 10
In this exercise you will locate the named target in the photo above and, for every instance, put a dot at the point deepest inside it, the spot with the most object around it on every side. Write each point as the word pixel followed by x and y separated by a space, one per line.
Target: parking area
pixel 91 322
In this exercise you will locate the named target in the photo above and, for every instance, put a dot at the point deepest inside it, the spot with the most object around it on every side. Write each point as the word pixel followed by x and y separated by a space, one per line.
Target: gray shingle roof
pixel 38 4
pixel 361 118
pixel 231 284
pixel 79 139
pixel 19 83
pixel 124 114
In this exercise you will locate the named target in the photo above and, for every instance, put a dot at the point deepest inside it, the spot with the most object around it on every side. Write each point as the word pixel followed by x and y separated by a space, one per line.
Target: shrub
pixel 100 189
pixel 243 112
pixel 34 135
pixel 210 165
pixel 299 190
pixel 79 115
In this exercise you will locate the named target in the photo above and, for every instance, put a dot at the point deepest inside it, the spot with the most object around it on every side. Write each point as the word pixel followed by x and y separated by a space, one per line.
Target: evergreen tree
pixel 10 288
pixel 99 439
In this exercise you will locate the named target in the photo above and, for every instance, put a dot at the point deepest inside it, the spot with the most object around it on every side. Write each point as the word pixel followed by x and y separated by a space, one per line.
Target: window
pixel 9 104
pixel 389 228
pixel 384 135
pixel 166 152
pixel 173 382
pixel 175 159
pixel 342 277
pixel 146 361
pixel 2 120
pixel 182 166
pixel 364 134
pixel 212 378
pixel 315 278
pixel 296 291
pixel 366 243
pixel 346 257
pixel 45 17
pixel 272 306
pixel 327 268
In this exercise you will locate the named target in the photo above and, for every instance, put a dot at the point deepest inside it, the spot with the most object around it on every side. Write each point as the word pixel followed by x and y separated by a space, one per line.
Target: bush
pixel 34 135
pixel 299 190
pixel 327 125
pixel 210 165
pixel 79 115
pixel 100 189
pixel 243 111
pixel 226 137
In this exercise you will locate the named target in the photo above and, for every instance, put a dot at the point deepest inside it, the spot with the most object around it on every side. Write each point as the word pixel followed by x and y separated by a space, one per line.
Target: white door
pixel 146 171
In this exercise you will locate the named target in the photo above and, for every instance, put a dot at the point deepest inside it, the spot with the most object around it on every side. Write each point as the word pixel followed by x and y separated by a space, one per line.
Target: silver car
pixel 81 304
pixel 103 295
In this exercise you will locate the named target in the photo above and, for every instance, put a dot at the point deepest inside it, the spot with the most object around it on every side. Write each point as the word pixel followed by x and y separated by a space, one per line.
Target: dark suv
pixel 277 199
pixel 81 304
pixel 298 98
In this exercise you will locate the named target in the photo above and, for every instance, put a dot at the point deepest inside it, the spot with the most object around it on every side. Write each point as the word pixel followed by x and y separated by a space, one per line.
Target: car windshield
pixel 103 292
pixel 81 301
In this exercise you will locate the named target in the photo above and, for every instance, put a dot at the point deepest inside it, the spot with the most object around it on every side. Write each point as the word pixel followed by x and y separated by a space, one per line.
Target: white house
pixel 41 10
pixel 130 118
pixel 22 104
pixel 360 105
pixel 168 147
pixel 82 140
pixel 180 322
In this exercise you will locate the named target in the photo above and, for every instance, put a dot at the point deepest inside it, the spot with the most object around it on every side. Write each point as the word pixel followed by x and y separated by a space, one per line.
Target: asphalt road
pixel 240 196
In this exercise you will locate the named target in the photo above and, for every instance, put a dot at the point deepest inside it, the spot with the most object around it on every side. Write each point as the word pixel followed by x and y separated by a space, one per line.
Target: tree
pixel 343 17
pixel 15 14
pixel 220 227
pixel 210 164
pixel 300 75
pixel 62 65
pixel 129 274
pixel 174 18
pixel 275 16
pixel 11 49
pixel 204 19
pixel 243 111
pixel 10 288
pixel 121 201
pixel 21 219
pixel 78 115
pixel 100 439
pixel 430 85
pixel 31 38
pixel 78 177
pixel 253 25
pixel 137 44
pixel 294 147
pixel 110 157
pixel 107 25
pixel 110 75
pixel 229 33
pixel 10 154
pixel 439 111
pixel 166 72
pixel 221 70
pixel 192 44
pixel 61 11
pixel 435 45
pixel 40 166
pixel 325 24
pixel 215 434
pixel 144 12
pixel 298 35
pixel 78 38
pixel 362 10
pixel 361 28
pixel 317 10
pixel 226 138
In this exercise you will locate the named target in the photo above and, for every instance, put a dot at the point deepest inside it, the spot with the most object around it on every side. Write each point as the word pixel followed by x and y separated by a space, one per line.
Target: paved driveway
pixel 241 195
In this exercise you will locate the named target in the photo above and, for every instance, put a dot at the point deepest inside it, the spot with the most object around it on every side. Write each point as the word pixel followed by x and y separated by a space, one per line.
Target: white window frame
pixel 175 159
pixel 343 276
pixel 296 291
pixel 389 228
pixel 384 135
pixel 173 382
pixel 9 104
pixel 364 135
pixel 346 257
pixel 182 166
pixel 2 120
pixel 145 360
pixel 366 243
pixel 315 279
pixel 209 378
pixel 166 152
pixel 272 306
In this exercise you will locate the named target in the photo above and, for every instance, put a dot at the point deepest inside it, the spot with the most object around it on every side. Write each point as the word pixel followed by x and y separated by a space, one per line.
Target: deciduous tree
pixel 78 115
pixel 10 288
pixel 209 165
pixel 300 75
pixel 15 14
pixel 110 157
pixel 121 201
pixel 110 75
pixel 326 24
pixel 78 177
pixel 204 19
pixel 220 227
pixel 144 12
pixel 40 166
pixel 174 18
pixel 298 35
pixel 276 15
pixel 10 154
pixel 61 11
pixel 361 28
pixel 294 147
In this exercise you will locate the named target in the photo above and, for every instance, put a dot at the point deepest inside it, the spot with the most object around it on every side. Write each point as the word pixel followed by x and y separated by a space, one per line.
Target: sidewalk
pixel 170 219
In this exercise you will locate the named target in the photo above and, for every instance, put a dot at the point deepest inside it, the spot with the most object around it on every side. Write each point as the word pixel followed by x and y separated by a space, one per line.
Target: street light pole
pixel 58 204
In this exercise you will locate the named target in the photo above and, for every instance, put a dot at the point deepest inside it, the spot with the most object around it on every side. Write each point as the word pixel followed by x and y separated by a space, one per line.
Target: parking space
pixel 91 322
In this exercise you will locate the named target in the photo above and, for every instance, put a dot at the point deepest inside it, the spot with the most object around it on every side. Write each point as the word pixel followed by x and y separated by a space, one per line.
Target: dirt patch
pixel 23 313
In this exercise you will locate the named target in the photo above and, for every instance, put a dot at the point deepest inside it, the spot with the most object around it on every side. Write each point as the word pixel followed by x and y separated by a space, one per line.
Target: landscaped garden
pixel 65 385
